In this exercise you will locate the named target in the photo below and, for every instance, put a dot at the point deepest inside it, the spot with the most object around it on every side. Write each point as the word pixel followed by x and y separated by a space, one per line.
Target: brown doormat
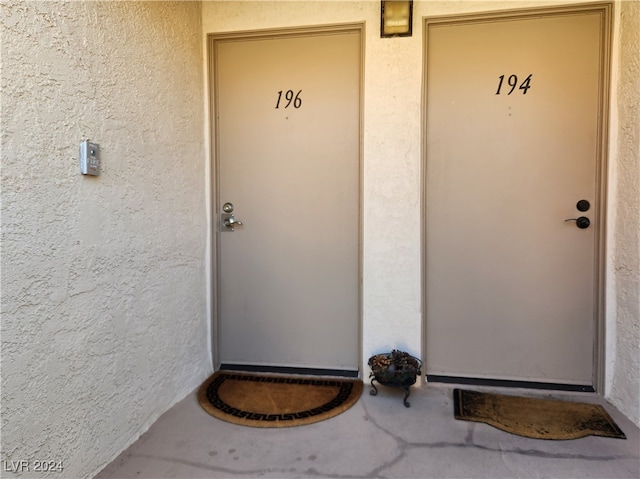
pixel 535 418
pixel 265 400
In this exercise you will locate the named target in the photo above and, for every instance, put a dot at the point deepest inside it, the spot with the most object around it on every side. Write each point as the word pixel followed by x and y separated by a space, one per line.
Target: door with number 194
pixel 515 103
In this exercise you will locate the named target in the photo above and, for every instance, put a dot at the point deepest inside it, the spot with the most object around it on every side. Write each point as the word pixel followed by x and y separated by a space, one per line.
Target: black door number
pixel 512 81
pixel 290 97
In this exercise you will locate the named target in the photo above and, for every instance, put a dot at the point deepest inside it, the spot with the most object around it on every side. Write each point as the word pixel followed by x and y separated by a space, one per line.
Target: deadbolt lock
pixel 583 205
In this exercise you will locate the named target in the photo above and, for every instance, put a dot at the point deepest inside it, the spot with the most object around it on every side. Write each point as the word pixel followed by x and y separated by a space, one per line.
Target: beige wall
pixel 103 278
pixel 392 159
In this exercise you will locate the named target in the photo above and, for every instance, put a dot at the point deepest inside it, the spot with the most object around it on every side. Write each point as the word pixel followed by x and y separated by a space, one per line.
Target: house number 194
pixel 512 81
pixel 289 97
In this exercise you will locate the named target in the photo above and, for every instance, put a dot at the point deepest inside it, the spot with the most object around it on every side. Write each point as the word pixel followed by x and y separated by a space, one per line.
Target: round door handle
pixel 582 222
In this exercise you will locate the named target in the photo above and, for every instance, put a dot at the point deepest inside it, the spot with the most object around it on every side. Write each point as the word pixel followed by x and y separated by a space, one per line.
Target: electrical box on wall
pixel 89 158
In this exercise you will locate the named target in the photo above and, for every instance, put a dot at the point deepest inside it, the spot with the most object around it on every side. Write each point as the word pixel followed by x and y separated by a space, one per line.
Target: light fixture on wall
pixel 396 18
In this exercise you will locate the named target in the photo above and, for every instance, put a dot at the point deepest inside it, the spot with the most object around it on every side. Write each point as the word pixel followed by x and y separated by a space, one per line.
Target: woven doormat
pixel 266 400
pixel 535 418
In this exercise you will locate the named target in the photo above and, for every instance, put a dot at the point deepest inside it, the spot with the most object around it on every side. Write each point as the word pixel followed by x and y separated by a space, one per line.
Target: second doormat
pixel 265 400
pixel 535 418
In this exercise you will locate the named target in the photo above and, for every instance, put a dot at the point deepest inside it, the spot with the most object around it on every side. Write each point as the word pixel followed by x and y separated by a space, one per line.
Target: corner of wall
pixel 623 315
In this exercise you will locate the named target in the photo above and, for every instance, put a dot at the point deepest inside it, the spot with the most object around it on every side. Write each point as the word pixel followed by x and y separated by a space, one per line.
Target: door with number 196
pixel 287 113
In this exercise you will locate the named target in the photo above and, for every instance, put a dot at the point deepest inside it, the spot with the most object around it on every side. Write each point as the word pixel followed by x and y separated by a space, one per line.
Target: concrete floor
pixel 377 438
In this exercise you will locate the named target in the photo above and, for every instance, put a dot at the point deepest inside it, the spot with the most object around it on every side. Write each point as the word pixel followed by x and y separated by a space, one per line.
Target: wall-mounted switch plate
pixel 89 158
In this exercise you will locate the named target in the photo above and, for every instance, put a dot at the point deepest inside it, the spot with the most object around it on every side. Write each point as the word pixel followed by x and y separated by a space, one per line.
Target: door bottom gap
pixel 289 370
pixel 510 384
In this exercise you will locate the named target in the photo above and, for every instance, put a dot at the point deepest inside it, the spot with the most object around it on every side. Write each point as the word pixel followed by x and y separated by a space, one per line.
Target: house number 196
pixel 290 98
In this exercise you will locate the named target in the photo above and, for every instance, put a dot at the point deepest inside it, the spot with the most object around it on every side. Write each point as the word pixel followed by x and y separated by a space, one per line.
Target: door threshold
pixel 504 383
pixel 289 370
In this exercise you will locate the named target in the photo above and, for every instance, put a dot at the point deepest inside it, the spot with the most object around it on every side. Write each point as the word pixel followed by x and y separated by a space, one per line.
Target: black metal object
pixel 583 205
pixel 582 222
pixel 395 369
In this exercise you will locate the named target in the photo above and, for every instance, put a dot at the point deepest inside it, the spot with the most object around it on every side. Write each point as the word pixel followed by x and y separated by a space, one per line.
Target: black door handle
pixel 582 222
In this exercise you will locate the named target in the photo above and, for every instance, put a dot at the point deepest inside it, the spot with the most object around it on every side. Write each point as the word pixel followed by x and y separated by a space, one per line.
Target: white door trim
pixel 605 9
pixel 215 203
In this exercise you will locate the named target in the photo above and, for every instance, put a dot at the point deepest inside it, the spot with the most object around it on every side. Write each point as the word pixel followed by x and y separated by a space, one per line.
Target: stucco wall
pixel 625 354
pixel 392 159
pixel 104 314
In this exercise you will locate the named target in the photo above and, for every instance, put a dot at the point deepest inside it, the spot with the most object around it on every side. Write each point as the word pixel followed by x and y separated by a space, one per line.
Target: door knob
pixel 582 222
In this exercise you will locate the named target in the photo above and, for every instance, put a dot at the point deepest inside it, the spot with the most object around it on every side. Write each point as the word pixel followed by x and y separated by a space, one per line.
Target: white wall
pixel 392 159
pixel 104 321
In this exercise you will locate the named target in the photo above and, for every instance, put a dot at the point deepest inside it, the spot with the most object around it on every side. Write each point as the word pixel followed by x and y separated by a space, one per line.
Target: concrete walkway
pixel 376 438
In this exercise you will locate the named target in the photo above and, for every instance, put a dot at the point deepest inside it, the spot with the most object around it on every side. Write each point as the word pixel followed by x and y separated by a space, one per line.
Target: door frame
pixel 605 9
pixel 215 204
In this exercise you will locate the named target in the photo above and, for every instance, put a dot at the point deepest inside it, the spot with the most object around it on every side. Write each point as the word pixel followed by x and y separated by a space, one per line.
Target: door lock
pixel 228 222
pixel 582 222
pixel 583 205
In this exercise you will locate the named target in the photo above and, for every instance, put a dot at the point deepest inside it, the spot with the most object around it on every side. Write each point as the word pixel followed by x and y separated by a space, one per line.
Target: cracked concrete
pixel 377 438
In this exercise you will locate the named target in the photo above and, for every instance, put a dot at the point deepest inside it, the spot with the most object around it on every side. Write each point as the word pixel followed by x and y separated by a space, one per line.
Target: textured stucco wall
pixel 625 355
pixel 104 314
pixel 391 153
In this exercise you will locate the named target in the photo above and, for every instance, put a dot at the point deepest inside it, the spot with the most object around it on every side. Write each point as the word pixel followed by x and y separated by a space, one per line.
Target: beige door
pixel 512 145
pixel 287 112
